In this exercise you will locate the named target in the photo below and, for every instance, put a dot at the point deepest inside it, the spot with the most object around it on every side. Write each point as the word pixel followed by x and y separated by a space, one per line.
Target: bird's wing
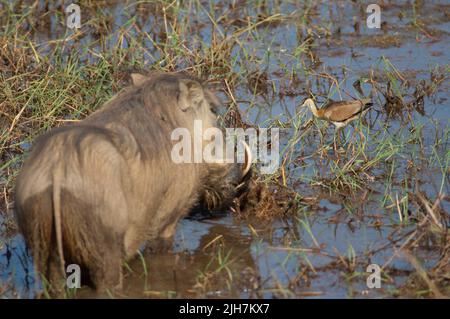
pixel 343 110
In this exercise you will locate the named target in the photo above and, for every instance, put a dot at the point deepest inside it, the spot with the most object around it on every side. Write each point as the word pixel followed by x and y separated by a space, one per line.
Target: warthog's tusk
pixel 248 160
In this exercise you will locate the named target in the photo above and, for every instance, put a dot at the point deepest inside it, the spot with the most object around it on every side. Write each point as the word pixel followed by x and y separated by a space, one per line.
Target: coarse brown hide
pixel 92 193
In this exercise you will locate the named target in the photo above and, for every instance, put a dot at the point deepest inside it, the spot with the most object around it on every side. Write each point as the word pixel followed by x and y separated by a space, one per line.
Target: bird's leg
pixel 363 138
pixel 322 135
pixel 342 138
pixel 351 141
pixel 336 132
pixel 361 135
pixel 351 137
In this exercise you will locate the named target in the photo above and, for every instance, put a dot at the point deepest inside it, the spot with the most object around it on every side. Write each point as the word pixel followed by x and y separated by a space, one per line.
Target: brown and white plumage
pixel 340 113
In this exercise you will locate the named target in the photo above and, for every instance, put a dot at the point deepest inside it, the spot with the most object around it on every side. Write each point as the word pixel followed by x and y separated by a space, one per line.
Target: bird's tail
pixel 367 103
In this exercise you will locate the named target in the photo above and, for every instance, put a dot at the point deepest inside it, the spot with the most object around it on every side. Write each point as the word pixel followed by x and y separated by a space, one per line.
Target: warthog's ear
pixel 212 100
pixel 138 79
pixel 191 94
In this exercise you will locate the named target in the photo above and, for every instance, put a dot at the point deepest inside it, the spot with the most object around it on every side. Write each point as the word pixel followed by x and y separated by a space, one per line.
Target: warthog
pixel 92 193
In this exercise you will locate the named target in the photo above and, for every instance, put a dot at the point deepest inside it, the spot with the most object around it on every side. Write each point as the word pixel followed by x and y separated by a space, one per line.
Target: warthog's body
pixel 92 193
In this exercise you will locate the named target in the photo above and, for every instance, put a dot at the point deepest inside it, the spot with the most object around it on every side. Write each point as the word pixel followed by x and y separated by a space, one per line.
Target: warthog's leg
pixel 107 274
pixel 163 242
pixel 169 231
pixel 175 204
pixel 132 242
pixel 57 280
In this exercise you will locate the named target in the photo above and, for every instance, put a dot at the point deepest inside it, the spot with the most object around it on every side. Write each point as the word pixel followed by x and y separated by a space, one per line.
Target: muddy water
pixel 299 255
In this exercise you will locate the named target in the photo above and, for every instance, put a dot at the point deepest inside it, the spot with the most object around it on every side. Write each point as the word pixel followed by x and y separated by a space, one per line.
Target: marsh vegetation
pixel 311 228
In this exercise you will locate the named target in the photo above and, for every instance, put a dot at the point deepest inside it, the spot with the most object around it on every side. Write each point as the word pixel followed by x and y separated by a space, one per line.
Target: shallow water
pixel 297 255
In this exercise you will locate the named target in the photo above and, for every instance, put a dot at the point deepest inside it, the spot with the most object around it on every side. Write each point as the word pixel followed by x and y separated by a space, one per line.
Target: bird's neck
pixel 313 108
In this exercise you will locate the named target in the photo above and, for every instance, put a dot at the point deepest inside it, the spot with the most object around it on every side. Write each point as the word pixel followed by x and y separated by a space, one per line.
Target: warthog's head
pixel 222 182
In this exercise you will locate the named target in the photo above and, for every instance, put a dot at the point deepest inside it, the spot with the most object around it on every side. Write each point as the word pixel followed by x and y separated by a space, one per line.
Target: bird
pixel 339 113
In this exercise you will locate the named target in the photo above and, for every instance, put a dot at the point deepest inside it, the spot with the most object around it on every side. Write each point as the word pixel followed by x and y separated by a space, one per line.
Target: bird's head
pixel 309 102
pixel 312 106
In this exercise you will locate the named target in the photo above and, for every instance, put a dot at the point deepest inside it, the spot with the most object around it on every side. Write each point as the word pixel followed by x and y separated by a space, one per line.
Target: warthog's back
pixel 83 156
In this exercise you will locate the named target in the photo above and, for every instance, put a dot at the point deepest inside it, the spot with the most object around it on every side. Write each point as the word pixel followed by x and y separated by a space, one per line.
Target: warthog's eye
pixel 214 110
pixel 213 102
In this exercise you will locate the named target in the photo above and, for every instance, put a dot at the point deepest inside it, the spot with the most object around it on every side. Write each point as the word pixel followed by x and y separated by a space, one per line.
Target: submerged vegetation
pixel 310 229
